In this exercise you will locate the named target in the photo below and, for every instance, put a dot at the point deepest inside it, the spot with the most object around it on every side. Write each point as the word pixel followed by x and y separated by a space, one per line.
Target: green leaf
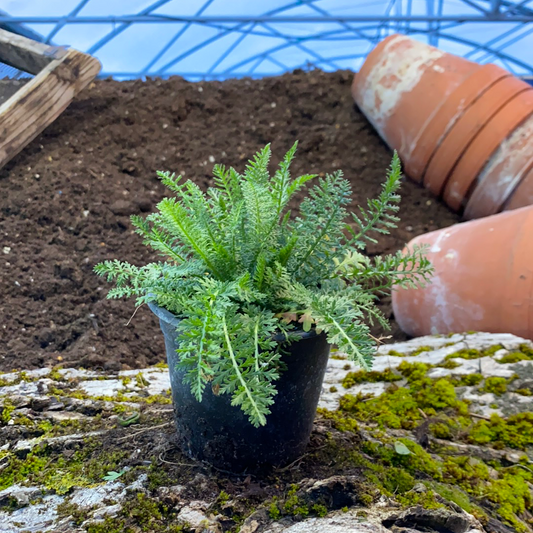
pixel 113 476
pixel 401 448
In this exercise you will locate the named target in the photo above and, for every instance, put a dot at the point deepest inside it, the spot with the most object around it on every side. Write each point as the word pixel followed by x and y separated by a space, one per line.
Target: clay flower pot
pixel 466 128
pixel 523 194
pixel 483 279
pixel 503 174
pixel 451 110
pixel 486 142
pixel 401 87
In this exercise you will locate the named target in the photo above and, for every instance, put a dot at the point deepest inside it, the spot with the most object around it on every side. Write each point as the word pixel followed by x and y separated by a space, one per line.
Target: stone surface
pixel 383 520
pixel 439 348
pixel 73 399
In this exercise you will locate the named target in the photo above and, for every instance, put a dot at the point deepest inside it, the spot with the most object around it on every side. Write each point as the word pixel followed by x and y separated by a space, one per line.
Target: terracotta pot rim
pixel 461 181
pixel 435 130
pixel 479 205
pixel 457 141
pixel 526 178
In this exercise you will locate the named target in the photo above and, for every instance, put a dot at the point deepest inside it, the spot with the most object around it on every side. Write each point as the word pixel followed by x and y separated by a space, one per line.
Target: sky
pixel 230 49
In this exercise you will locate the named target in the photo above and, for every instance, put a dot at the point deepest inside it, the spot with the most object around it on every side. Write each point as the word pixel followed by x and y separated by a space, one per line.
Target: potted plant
pixel 249 299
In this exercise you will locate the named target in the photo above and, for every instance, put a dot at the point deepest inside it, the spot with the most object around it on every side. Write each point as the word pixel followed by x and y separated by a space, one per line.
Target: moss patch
pixel 354 378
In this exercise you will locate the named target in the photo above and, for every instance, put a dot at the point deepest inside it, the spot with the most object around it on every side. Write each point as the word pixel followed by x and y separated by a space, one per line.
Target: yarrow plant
pixel 239 270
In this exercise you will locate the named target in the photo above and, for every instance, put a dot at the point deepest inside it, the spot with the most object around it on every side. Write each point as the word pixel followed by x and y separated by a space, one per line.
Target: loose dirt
pixel 65 201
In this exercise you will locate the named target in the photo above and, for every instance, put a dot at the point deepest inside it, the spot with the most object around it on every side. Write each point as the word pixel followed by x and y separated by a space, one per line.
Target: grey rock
pixel 422 519
pixel 19 495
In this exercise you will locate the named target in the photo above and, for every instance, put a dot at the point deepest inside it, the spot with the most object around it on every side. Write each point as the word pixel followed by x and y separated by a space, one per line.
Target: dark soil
pixel 67 198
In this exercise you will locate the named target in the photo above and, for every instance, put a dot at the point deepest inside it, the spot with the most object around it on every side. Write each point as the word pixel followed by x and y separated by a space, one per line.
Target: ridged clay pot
pixel 523 195
pixel 483 146
pixel 451 110
pixel 401 86
pixel 503 173
pixel 483 279
pixel 466 128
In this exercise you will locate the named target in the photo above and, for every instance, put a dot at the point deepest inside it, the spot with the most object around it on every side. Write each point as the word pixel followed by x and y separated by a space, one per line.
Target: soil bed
pixel 67 198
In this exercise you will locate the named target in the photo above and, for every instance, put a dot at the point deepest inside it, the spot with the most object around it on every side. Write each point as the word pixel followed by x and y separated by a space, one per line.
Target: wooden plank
pixel 42 100
pixel 26 54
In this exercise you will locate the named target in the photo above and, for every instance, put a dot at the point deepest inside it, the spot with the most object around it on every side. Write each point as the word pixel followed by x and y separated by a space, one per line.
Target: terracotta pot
pixel 483 279
pixel 480 150
pixel 401 86
pixel 447 115
pixel 503 173
pixel 466 128
pixel 523 195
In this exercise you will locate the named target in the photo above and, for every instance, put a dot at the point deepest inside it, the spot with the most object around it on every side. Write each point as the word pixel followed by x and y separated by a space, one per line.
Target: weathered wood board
pixel 60 74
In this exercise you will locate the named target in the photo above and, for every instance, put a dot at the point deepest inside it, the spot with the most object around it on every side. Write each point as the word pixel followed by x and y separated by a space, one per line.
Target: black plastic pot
pixel 216 432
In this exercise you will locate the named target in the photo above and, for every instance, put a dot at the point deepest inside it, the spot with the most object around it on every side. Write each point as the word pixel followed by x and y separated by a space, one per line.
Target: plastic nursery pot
pixel 483 279
pixel 430 137
pixel 503 173
pixel 480 150
pixel 402 85
pixel 466 128
pixel 523 194
pixel 216 432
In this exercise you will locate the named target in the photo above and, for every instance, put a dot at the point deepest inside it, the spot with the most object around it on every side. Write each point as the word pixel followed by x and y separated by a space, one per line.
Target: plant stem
pixel 260 417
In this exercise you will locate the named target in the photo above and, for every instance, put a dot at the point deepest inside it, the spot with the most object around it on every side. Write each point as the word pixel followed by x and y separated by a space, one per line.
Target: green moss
pixel 333 389
pixel 293 506
pixel 86 467
pixel 511 492
pixel 7 408
pixel 397 480
pixel 141 381
pixel 425 499
pixel 466 472
pixel 452 494
pixel 419 350
pixel 337 356
pixel 273 509
pixel 513 357
pixel 450 364
pixel 319 510
pixel 223 497
pixel 55 374
pixel 514 432
pixel 416 463
pixel 45 426
pixel 413 372
pixel 140 514
pixel 526 350
pixel 162 364
pixel 524 392
pixel 470 380
pixel 340 420
pixel 440 430
pixel 354 378
pixel 472 353
pixel 75 512
pixel 394 353
pixel 400 407
pixel 495 385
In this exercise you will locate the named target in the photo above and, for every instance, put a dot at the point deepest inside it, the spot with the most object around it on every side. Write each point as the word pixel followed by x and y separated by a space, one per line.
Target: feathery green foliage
pixel 237 270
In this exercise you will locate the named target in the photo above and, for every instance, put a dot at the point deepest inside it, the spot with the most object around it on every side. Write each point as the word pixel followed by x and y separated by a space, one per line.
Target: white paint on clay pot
pixel 503 172
pixel 392 76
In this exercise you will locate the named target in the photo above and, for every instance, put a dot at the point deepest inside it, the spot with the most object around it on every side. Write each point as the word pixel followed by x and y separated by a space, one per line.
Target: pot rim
pixel 170 318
